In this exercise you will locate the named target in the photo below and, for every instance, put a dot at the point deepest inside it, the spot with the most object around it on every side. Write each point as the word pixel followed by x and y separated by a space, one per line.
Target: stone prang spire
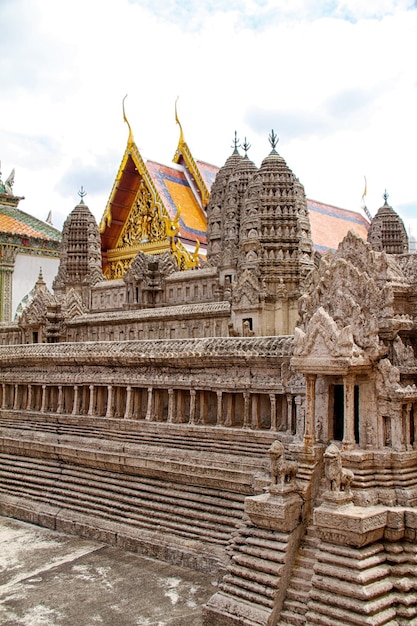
pixel 215 212
pixel 387 232
pixel 275 239
pixel 80 264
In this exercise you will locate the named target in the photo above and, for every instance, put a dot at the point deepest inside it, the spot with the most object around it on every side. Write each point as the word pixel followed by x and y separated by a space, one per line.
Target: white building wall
pixel 26 273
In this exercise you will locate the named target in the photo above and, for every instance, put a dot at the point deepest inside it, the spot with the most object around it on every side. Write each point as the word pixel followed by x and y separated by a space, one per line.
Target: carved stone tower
pixel 80 265
pixel 387 232
pixel 215 214
pixel 234 195
pixel 276 249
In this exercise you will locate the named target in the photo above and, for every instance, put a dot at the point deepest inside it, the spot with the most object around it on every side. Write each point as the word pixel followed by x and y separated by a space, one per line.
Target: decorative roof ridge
pixel 184 151
pixel 30 220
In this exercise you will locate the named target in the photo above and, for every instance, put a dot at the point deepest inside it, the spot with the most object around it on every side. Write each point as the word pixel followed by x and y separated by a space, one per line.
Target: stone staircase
pixel 167 490
pixel 247 592
pixel 192 524
pixel 295 603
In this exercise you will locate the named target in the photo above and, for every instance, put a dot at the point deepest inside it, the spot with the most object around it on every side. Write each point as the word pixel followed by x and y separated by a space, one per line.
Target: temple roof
pixel 13 221
pixel 330 224
pixel 175 189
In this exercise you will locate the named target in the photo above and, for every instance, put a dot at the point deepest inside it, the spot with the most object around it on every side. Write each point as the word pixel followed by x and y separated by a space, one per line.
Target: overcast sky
pixel 335 79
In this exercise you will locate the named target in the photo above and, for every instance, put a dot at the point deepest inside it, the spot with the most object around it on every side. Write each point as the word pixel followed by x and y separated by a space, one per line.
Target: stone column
pixel 289 413
pixel 75 401
pixel 3 400
pixel 349 411
pixel 29 398
pixel 109 410
pixel 219 417
pixel 254 404
pixel 170 417
pixel 415 425
pixel 128 408
pixel 16 397
pixel 299 417
pixel 192 406
pixel 408 426
pixel 250 418
pixel 7 260
pixel 273 402
pixel 91 401
pixel 310 409
pixel 59 407
pixel 43 401
pixel 149 407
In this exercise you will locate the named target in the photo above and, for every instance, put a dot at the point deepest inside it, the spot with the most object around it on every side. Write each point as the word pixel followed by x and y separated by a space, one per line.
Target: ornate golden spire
pixel 130 139
pixel 183 151
pixel 181 139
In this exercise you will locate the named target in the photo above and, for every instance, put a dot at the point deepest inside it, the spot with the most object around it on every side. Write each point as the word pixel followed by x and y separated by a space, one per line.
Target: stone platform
pixel 53 579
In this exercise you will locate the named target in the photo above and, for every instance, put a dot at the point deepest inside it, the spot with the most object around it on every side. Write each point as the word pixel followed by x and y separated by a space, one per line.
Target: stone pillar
pixel 3 400
pixel 7 260
pixel 75 402
pixel 91 401
pixel 43 401
pixel 192 406
pixel 219 417
pixel 407 426
pixel 59 407
pixel 148 415
pixel 349 411
pixel 29 398
pixel 289 413
pixel 254 397
pixel 16 397
pixel 310 409
pixel 170 417
pixel 109 410
pixel 299 417
pixel 246 420
pixel 273 402
pixel 415 426
pixel 128 408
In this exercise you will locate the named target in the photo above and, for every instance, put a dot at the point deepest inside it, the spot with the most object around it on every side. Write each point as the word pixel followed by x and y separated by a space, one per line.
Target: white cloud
pixel 336 80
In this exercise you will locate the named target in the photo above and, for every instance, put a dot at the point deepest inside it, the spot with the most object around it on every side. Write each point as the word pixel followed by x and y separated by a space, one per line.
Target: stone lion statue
pixel 282 471
pixel 337 478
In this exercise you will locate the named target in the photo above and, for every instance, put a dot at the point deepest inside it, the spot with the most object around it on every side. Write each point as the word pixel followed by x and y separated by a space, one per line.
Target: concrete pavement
pixel 52 579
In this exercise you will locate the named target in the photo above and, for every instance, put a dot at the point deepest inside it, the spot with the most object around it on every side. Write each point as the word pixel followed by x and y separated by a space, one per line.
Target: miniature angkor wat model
pixel 253 417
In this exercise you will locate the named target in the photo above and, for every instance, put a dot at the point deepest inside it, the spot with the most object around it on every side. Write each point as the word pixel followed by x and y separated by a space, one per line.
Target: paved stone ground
pixel 52 579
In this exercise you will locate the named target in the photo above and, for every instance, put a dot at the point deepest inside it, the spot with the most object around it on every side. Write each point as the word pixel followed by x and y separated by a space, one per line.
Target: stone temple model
pixel 253 417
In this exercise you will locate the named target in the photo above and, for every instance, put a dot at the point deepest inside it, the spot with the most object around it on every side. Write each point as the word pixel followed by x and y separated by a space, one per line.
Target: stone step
pixel 249 595
pixel 298 591
pixel 256 563
pixel 257 577
pixel 287 618
pixel 273 552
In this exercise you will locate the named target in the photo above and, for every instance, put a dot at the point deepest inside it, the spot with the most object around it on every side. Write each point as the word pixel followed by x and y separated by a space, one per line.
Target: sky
pixel 335 79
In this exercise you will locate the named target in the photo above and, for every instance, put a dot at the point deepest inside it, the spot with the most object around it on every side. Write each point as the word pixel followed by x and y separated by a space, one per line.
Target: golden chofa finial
pixel 130 138
pixel 181 139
